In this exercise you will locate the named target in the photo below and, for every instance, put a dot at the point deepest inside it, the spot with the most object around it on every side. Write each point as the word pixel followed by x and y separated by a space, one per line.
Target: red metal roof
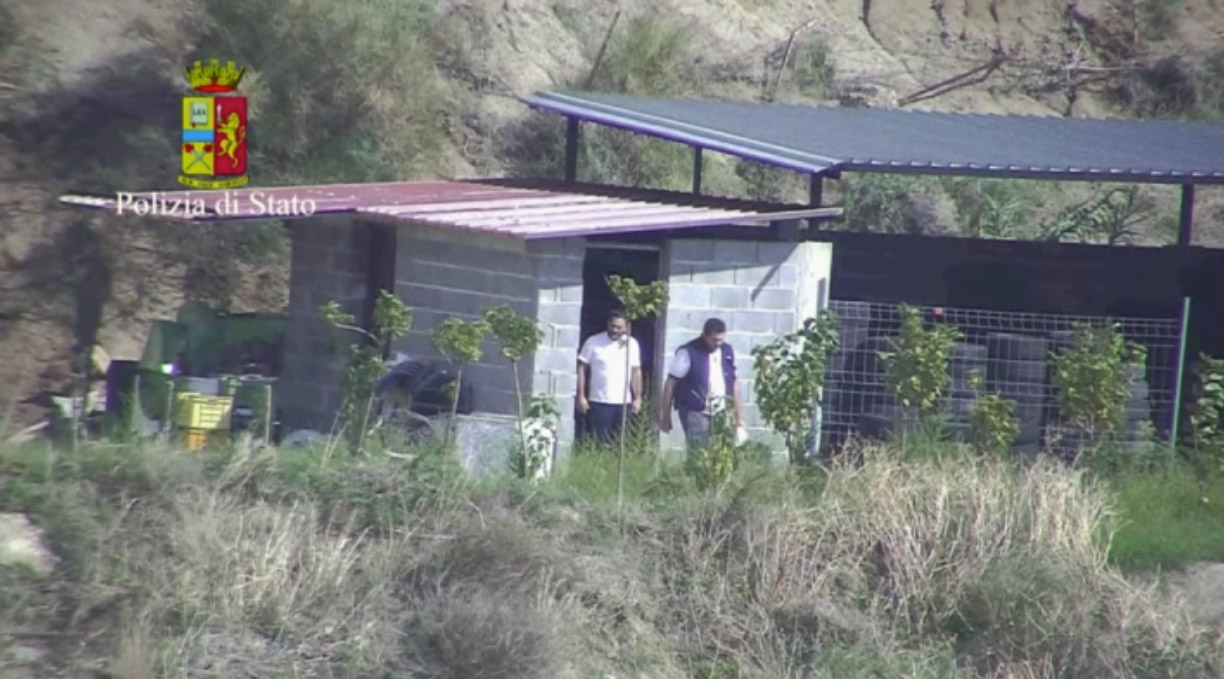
pixel 522 213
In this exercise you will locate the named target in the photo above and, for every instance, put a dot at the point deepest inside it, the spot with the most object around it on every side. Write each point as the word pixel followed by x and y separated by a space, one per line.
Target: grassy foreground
pixel 306 563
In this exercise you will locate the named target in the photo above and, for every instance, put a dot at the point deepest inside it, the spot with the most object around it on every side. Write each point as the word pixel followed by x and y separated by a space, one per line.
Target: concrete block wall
pixel 438 273
pixel 759 289
pixel 441 273
pixel 558 271
pixel 328 262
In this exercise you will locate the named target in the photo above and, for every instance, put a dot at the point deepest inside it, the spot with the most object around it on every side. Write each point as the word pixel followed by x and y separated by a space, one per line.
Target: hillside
pixel 416 89
pixel 148 562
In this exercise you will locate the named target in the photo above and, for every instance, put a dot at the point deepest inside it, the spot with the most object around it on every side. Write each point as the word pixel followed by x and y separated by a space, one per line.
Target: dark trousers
pixel 696 425
pixel 604 421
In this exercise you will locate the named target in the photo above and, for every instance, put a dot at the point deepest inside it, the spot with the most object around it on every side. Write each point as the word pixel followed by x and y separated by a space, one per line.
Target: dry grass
pixel 287 563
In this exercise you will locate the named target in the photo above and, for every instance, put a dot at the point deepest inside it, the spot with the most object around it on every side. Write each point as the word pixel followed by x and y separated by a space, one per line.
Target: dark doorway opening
pixel 642 265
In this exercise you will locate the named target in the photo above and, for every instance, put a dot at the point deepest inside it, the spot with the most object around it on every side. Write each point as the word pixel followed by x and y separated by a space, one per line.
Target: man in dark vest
pixel 701 374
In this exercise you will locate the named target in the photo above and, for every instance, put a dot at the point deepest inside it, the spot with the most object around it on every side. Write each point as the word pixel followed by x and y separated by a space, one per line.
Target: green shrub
pixel 1205 442
pixel 1092 382
pixel 1169 519
pixel 8 31
pixel 364 359
pixel 916 366
pixel 788 375
pixel 813 69
pixel 1158 18
pixel 997 208
pixel 877 202
pixel 649 55
pixel 342 92
pixel 993 424
pixel 771 184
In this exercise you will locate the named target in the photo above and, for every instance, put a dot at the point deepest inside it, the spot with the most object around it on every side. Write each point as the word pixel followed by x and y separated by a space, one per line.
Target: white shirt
pixel 717 388
pixel 609 381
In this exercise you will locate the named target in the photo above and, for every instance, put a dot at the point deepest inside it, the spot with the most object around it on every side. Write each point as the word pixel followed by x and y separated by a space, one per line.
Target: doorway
pixel 642 265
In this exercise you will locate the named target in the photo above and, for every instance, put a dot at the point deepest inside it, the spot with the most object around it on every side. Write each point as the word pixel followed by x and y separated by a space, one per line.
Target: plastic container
pixel 198 411
pixel 199 439
pixel 211 386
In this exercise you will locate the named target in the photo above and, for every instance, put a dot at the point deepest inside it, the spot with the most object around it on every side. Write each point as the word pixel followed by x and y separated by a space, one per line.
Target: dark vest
pixel 691 391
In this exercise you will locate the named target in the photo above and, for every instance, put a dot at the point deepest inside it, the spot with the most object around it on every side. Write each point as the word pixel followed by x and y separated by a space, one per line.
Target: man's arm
pixel 584 358
pixel 676 371
pixel 635 365
pixel 665 403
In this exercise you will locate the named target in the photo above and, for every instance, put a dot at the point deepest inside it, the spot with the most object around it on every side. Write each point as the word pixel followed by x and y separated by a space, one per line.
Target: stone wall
pixel 438 273
pixel 329 259
pixel 759 289
pixel 441 273
pixel 558 267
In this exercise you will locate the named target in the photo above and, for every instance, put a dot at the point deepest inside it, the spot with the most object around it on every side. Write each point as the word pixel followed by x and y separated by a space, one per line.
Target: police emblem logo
pixel 214 147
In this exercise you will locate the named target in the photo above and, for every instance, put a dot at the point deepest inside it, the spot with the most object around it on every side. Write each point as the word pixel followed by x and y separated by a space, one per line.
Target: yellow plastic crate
pixel 198 439
pixel 197 411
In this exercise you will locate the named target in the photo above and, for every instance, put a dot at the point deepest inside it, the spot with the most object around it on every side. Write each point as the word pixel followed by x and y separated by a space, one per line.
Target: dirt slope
pixel 67 278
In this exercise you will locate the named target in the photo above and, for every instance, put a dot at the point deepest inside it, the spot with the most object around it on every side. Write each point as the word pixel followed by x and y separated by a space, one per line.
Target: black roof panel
pixel 829 139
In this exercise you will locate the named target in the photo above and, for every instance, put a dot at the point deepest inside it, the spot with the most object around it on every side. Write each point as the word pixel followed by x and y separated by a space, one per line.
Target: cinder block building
pixel 456 248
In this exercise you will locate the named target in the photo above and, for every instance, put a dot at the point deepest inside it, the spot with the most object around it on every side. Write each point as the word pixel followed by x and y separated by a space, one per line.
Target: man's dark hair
pixel 714 326
pixel 616 314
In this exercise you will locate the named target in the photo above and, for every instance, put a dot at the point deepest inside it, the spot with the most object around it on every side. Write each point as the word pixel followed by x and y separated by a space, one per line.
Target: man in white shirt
pixel 612 390
pixel 699 380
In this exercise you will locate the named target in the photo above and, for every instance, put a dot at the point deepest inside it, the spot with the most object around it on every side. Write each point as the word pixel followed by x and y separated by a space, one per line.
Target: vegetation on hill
pixel 414 89
pixel 312 563
pixel 919 557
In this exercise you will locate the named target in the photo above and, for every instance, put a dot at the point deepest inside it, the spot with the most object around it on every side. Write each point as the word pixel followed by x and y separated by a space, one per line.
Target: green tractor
pixel 203 351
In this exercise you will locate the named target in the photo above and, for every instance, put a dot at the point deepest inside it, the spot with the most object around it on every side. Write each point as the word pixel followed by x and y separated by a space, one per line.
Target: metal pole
pixel 1181 371
pixel 267 418
pixel 815 190
pixel 1185 222
pixel 571 150
pixel 815 199
pixel 697 167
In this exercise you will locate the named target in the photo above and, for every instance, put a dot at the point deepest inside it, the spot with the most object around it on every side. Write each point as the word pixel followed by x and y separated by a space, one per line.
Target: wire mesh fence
pixel 1009 353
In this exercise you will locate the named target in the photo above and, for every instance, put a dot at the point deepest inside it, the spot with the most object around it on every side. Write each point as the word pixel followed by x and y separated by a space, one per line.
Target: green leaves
pixel 789 373
pixel 392 320
pixel 518 335
pixel 364 365
pixel 1206 438
pixel 640 301
pixel 1091 378
pixel 712 465
pixel 993 426
pixel 331 312
pixel 917 367
pixel 460 341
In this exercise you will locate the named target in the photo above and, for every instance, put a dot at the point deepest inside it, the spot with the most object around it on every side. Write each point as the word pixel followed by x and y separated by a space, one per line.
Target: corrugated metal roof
pixel 522 213
pixel 824 139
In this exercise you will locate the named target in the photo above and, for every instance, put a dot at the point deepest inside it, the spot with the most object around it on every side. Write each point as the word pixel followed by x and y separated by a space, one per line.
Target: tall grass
pixel 295 563
pixel 1168 520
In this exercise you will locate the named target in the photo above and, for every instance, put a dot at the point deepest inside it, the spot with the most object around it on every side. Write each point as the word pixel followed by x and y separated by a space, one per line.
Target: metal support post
pixel 1181 372
pixel 1185 224
pixel 698 161
pixel 571 149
